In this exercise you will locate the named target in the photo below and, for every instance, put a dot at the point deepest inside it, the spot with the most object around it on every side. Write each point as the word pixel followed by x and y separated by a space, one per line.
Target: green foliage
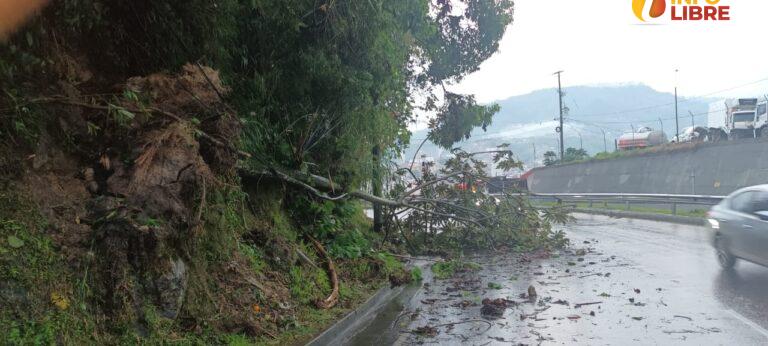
pixel 458 116
pixel 447 269
pixel 224 215
pixel 494 286
pixel 416 274
pixel 46 300
pixel 391 264
pixel 467 217
pixel 341 225
pixel 559 240
pixel 349 244
pixel 557 215
pixel 255 256
pixel 121 116
pixel 301 288
pixel 443 270
pixel 307 285
pixel 238 340
pixel 614 155
pixel 571 155
pixel 323 85
pixel 317 85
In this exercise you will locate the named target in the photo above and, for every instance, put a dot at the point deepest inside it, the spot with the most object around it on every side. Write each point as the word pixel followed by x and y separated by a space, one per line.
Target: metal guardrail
pixel 629 198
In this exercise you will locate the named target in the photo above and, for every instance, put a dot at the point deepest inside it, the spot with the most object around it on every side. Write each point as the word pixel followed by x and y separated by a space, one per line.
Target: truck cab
pixel 741 118
pixel 761 119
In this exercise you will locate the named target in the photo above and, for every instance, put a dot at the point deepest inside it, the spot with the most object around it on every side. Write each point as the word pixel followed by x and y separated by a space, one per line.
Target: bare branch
pixel 417 152
pixel 429 183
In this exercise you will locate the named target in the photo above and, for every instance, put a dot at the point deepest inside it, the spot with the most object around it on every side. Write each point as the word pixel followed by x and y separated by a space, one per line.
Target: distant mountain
pixel 529 120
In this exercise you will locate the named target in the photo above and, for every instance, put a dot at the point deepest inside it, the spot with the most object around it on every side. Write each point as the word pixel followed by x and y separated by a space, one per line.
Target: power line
pixel 690 99
pixel 648 120
pixel 605 125
pixel 595 123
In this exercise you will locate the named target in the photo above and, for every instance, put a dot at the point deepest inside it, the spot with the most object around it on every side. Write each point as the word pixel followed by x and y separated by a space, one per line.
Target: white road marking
pixel 748 322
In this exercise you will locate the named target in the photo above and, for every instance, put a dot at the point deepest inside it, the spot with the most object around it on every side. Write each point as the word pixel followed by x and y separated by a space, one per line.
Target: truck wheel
pixel 716 135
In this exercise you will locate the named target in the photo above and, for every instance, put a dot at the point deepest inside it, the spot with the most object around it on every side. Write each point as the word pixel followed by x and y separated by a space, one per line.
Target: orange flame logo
pixel 658 7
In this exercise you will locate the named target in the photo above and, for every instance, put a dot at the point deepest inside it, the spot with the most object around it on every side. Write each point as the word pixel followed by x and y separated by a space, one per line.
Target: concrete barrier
pixel 705 169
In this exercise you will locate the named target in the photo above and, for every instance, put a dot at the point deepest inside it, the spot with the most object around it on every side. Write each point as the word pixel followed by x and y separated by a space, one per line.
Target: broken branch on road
pixel 585 304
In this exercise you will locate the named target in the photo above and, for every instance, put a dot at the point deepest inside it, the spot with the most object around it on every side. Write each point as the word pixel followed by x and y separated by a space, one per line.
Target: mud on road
pixel 606 289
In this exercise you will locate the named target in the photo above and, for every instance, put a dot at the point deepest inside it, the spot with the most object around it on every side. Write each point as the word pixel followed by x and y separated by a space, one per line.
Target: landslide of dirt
pixel 140 230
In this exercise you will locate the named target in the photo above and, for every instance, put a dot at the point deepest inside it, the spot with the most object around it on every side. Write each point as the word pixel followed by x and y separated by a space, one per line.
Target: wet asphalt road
pixel 654 284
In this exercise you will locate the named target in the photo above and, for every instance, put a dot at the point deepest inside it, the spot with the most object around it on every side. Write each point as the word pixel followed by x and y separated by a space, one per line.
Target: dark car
pixel 740 227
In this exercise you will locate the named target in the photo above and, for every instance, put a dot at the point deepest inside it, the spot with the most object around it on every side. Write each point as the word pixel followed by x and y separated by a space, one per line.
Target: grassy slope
pixel 49 300
pixel 635 208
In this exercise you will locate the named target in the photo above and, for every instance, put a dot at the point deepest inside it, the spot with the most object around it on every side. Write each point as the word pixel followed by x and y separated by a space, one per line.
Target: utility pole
pixel 677 120
pixel 534 155
pixel 605 141
pixel 692 121
pixel 662 124
pixel 560 98
pixel 581 140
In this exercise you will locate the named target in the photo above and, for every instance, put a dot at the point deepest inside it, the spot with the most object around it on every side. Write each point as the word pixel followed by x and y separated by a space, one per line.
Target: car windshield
pixel 743 116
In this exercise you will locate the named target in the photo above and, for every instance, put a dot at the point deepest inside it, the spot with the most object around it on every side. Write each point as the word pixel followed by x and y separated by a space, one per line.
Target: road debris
pixel 532 292
pixel 548 294
pixel 493 308
pixel 585 304
pixel 426 331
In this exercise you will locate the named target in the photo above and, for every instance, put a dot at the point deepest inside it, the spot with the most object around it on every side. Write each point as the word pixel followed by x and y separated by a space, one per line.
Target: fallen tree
pixel 448 203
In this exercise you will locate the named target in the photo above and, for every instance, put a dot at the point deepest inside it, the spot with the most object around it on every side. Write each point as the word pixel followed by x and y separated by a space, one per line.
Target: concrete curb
pixel 686 220
pixel 346 328
pixel 367 315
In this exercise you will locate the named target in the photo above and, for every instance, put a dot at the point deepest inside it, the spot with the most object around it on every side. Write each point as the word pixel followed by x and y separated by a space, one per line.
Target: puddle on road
pixel 582 296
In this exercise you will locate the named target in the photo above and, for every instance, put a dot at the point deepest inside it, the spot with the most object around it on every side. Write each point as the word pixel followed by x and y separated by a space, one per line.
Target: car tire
pixel 725 259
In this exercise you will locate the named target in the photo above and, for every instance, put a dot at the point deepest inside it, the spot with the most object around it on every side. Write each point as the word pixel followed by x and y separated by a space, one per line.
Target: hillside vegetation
pixel 157 157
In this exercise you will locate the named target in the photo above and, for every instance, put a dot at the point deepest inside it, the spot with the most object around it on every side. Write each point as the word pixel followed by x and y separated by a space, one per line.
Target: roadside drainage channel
pixel 371 321
pixel 686 220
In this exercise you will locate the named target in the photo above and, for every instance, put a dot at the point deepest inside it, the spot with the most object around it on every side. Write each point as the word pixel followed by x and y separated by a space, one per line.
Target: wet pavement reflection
pixel 621 282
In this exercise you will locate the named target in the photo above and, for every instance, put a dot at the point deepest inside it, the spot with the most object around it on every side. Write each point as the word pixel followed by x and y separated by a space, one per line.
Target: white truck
pixel 761 119
pixel 737 120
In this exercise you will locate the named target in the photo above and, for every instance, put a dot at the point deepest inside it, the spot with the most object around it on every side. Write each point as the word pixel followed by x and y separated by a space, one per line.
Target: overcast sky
pixel 601 42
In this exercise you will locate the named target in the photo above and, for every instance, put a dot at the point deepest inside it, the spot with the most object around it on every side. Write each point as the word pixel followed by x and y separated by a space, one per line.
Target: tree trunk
pixel 376 183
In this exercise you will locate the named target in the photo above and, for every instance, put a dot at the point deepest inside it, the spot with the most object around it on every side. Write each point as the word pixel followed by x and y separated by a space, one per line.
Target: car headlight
pixel 714 223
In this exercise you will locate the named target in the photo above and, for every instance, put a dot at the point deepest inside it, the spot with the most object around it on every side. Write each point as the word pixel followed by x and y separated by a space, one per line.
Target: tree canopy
pixel 317 83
